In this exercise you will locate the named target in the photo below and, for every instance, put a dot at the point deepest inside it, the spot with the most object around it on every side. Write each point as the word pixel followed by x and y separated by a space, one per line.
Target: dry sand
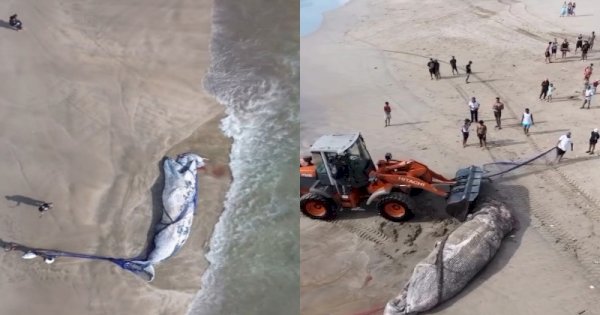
pixel 94 95
pixel 372 51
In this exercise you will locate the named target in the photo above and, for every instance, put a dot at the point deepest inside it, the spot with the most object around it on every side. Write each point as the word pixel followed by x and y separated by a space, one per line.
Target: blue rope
pixel 516 164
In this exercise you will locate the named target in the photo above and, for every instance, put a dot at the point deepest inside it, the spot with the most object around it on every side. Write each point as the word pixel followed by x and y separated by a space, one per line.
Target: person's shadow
pixel 23 199
pixel 5 24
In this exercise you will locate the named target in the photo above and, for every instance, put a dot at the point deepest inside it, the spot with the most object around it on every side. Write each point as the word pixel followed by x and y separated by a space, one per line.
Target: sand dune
pixel 94 94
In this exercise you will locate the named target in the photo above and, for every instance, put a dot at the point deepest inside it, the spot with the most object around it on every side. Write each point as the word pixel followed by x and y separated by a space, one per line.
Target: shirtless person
pixel 431 66
pixel 498 107
pixel 481 133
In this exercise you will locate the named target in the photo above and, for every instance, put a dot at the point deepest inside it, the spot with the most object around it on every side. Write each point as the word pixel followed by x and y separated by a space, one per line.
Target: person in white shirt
pixel 465 131
pixel 527 121
pixel 562 145
pixel 588 96
pixel 474 108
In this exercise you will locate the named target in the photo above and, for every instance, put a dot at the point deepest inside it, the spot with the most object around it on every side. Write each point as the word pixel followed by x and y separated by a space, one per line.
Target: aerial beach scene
pixel 127 128
pixel 377 75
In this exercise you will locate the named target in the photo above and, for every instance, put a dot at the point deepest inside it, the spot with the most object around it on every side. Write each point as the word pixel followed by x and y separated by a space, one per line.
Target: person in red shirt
pixel 388 113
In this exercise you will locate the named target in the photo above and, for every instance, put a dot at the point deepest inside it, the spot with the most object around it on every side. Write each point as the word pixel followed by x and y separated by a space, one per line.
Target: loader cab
pixel 342 159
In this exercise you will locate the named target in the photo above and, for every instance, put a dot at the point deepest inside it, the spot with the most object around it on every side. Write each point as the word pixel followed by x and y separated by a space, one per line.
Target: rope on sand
pixel 516 164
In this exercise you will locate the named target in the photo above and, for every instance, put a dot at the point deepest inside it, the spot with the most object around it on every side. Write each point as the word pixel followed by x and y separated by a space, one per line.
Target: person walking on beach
pixel 554 47
pixel 564 48
pixel 45 206
pixel 544 91
pixel 591 39
pixel 436 69
pixel 593 140
pixel 453 65
pixel 465 131
pixel 562 146
pixel 474 108
pixel 551 90
pixel 481 134
pixel 468 70
pixel 579 42
pixel 527 121
pixel 388 113
pixel 547 53
pixel 587 72
pixel 569 8
pixel 584 50
pixel 563 10
pixel 498 107
pixel 431 66
pixel 573 9
pixel 587 97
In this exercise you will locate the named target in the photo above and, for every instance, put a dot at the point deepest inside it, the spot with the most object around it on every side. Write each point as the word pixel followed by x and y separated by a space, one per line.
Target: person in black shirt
pixel 436 69
pixel 453 65
pixel 579 42
pixel 593 140
pixel 468 69
pixel 544 91
pixel 584 50
pixel 431 66
pixel 564 48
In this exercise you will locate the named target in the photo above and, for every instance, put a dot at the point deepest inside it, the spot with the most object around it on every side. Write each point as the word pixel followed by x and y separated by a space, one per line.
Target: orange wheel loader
pixel 340 175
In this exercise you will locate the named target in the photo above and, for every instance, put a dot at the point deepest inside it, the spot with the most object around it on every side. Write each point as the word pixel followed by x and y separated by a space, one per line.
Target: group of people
pixel 584 45
pixel 568 9
pixel 548 89
pixel 434 68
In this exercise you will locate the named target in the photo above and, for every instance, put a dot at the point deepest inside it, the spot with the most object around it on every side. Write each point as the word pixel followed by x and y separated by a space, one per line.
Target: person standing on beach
pixel 591 39
pixel 453 65
pixel 587 72
pixel 431 66
pixel 569 8
pixel 547 53
pixel 468 70
pixel 544 91
pixel 527 121
pixel 498 107
pixel 551 90
pixel 481 134
pixel 573 9
pixel 436 69
pixel 593 140
pixel 562 146
pixel 465 131
pixel 474 108
pixel 388 113
pixel 44 206
pixel 564 48
pixel 587 97
pixel 584 50
pixel 579 42
pixel 554 47
pixel 563 10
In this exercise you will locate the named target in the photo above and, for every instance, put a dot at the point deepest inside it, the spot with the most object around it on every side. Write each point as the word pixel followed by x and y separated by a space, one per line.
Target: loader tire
pixel 318 207
pixel 396 207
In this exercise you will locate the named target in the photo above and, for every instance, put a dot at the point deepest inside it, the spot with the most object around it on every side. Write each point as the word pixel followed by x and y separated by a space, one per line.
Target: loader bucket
pixel 464 193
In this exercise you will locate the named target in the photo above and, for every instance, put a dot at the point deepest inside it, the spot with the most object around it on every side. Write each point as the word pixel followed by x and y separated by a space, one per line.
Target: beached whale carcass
pixel 455 260
pixel 179 199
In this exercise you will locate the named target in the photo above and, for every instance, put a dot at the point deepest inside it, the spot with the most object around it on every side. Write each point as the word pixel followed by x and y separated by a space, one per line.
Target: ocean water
pixel 311 13
pixel 254 251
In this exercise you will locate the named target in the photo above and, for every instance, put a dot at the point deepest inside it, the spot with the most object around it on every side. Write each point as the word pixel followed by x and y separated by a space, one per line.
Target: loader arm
pixel 405 180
